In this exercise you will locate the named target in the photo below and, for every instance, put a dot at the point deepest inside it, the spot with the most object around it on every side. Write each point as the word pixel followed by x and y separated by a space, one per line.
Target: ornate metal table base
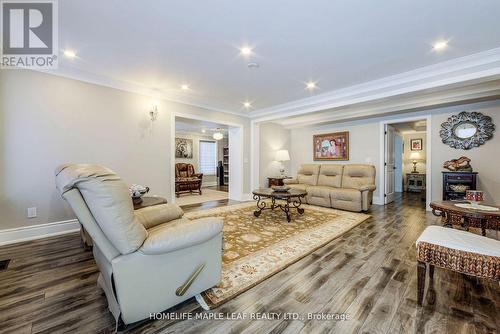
pixel 262 205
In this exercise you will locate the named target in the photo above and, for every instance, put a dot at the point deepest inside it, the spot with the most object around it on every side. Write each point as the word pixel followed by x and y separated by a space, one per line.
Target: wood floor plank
pixel 369 273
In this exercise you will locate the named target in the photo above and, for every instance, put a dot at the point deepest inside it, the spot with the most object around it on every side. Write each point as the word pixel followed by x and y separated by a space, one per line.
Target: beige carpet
pixel 206 196
pixel 257 248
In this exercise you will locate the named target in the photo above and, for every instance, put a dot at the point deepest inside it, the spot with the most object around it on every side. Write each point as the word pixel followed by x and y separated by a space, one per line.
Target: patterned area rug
pixel 257 248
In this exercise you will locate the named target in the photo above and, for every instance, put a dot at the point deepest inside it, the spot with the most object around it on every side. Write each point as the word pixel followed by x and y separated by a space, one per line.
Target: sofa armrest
pixel 369 187
pixel 158 214
pixel 198 175
pixel 172 237
pixel 290 181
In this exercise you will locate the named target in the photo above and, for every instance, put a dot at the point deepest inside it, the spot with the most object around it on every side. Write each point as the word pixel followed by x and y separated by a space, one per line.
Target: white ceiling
pixel 161 45
pixel 410 127
pixel 189 125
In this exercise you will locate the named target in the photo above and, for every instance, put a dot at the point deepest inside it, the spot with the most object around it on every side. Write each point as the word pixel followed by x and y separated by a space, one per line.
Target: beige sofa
pixel 149 259
pixel 346 187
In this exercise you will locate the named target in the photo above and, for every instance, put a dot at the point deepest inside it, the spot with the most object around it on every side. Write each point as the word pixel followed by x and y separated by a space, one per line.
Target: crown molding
pixel 400 104
pixel 464 71
pixel 131 87
pixel 470 69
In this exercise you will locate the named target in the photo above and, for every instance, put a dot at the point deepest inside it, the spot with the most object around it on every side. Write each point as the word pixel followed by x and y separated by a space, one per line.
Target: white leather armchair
pixel 150 259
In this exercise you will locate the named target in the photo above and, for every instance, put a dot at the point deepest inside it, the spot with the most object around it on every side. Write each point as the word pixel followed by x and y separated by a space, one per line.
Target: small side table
pixel 276 180
pixel 453 215
pixel 415 182
pixel 150 201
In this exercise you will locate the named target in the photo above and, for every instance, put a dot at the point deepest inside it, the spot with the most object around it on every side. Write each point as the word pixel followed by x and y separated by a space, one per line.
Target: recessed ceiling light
pixel 440 45
pixel 184 87
pixel 247 104
pixel 203 130
pixel 69 53
pixel 311 85
pixel 246 51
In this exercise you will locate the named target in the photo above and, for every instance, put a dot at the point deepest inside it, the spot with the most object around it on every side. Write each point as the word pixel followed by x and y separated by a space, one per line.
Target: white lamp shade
pixel 415 156
pixel 218 135
pixel 282 155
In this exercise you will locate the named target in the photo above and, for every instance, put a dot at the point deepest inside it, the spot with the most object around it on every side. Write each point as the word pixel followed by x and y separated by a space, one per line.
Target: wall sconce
pixel 153 113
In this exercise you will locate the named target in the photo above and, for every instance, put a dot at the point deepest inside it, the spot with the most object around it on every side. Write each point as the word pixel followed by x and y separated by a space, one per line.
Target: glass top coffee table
pixel 292 196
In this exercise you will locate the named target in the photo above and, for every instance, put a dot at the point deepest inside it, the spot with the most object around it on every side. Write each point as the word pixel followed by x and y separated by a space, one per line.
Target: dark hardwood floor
pixel 368 273
pixel 219 188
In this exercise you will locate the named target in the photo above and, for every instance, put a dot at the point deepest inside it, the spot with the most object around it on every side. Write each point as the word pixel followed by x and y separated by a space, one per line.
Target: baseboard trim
pixel 246 197
pixel 378 200
pixel 27 233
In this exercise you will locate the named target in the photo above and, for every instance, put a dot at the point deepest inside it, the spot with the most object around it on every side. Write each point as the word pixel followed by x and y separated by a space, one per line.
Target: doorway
pixel 202 161
pixel 406 158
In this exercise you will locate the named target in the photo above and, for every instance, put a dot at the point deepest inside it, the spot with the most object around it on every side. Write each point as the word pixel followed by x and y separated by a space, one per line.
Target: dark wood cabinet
pixel 276 181
pixel 456 183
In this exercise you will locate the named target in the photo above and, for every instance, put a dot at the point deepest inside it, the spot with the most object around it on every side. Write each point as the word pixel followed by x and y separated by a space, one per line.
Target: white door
pixel 389 164
pixel 398 161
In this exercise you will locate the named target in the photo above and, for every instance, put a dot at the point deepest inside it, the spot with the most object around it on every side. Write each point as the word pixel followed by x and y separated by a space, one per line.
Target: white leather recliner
pixel 149 259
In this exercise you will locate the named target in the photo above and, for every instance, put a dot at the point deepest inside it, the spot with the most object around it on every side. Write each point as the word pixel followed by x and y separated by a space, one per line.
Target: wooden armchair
pixel 186 180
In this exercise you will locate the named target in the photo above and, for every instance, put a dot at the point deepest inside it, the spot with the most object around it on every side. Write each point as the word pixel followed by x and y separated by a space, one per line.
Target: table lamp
pixel 415 156
pixel 282 155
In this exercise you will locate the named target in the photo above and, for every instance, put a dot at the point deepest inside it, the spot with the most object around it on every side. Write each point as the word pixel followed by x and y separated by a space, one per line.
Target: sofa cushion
pixel 330 175
pixel 108 198
pixel 298 186
pixel 308 174
pixel 356 176
pixel 346 199
pixel 318 195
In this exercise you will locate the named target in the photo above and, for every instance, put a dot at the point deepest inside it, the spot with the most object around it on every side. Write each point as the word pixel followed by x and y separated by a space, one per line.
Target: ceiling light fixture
pixel 69 53
pixel 218 135
pixel 247 104
pixel 311 85
pixel 253 65
pixel 185 87
pixel 440 45
pixel 246 51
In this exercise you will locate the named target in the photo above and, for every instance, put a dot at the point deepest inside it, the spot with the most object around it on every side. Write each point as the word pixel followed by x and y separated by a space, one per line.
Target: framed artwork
pixel 416 144
pixel 331 146
pixel 183 148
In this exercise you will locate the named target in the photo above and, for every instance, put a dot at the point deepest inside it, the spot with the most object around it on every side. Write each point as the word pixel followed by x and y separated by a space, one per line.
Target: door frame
pixel 428 163
pixel 236 162
pixel 387 128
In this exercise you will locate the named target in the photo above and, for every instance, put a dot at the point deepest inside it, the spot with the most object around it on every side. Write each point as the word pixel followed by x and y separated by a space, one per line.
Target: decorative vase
pixel 137 191
pixel 474 197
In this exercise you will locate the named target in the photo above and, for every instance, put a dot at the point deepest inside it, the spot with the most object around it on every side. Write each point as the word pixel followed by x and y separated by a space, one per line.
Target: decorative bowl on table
pixel 137 191
pixel 474 197
pixel 280 189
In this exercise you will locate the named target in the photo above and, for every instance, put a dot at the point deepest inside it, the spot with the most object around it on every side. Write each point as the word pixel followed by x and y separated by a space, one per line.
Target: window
pixel 208 157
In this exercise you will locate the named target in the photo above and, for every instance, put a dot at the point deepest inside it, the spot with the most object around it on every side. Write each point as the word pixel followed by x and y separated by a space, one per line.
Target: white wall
pixel 195 161
pixel 47 120
pixel 273 137
pixel 407 162
pixel 485 159
pixel 363 143
pixel 365 147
